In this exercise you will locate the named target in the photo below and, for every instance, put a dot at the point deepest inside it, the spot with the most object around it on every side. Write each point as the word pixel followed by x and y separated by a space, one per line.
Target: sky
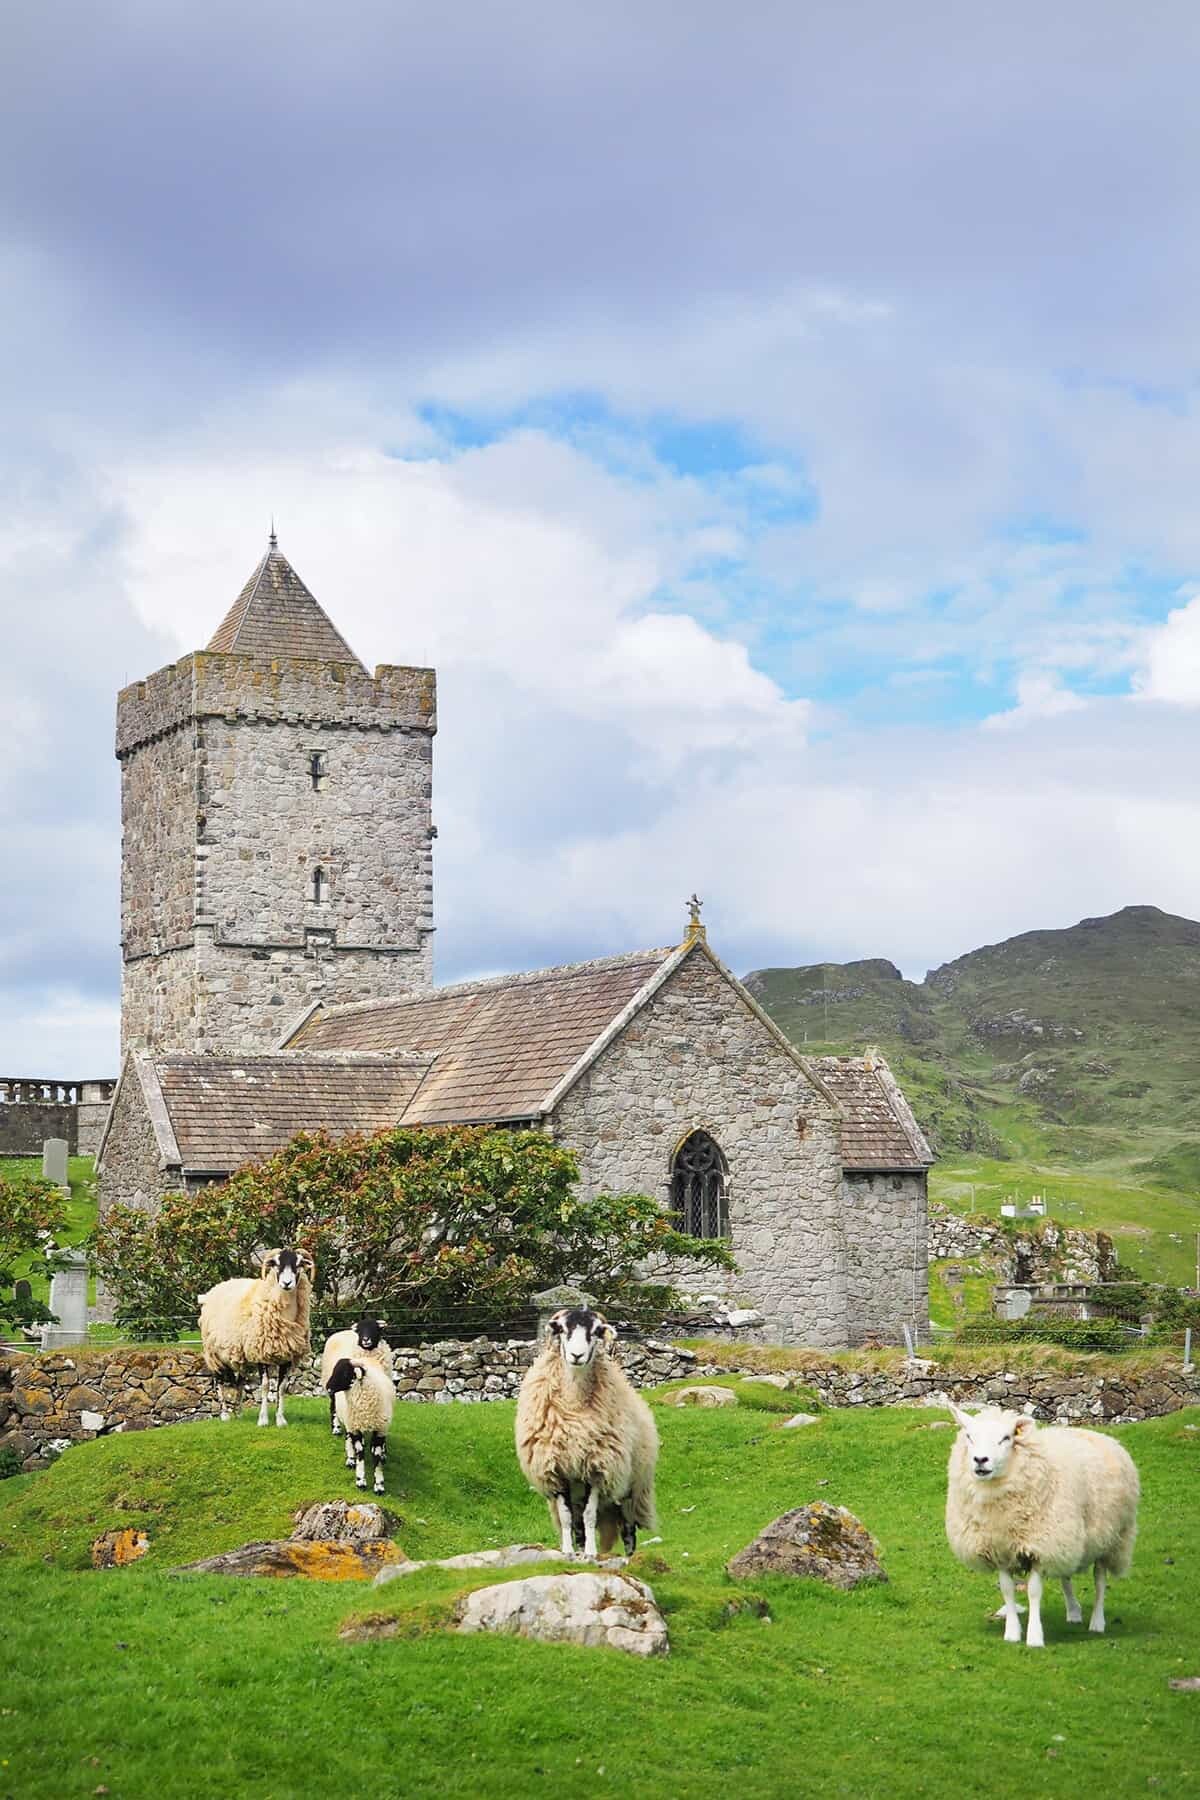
pixel 778 425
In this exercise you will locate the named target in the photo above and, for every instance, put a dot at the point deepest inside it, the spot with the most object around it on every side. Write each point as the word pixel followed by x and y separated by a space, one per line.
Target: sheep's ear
pixel 1024 1427
pixel 961 1419
pixel 267 1263
pixel 307 1264
pixel 609 1333
pixel 557 1323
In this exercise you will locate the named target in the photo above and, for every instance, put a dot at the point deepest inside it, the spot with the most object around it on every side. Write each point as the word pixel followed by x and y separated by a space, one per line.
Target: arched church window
pixel 320 886
pixel 700 1187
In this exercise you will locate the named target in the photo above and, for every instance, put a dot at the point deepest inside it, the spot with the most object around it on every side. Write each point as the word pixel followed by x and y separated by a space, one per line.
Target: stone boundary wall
pixel 64 1398
pixel 25 1126
pixel 67 1397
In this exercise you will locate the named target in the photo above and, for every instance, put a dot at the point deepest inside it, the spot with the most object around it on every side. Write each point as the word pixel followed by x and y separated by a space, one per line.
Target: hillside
pixel 1074 1049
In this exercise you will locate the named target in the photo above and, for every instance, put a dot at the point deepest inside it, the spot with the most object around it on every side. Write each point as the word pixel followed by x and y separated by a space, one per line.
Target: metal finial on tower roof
pixel 695 928
pixel 273 541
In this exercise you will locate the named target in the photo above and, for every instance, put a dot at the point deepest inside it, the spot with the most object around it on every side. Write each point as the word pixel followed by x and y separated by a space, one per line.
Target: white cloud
pixel 1171 667
pixel 1039 697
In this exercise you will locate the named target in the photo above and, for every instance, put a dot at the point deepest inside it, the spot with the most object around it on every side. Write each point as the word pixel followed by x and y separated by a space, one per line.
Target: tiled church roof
pixel 227 1111
pixel 275 615
pixel 501 1047
pixel 878 1129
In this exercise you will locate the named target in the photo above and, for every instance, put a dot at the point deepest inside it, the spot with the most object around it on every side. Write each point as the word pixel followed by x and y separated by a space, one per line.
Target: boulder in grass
pixel 345 1521
pixel 323 1560
pixel 701 1396
pixel 113 1549
pixel 614 1612
pixel 511 1556
pixel 824 1542
pixel 798 1419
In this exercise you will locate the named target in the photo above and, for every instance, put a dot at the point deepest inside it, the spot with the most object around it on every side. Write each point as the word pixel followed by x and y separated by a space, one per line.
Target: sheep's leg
pixel 1033 1631
pixel 578 1500
pixel 380 1449
pixel 333 1418
pixel 1012 1618
pixel 223 1395
pixel 1074 1610
pixel 591 1507
pixel 566 1524
pixel 1096 1622
pixel 628 1528
pixel 360 1467
pixel 264 1390
pixel 280 1386
pixel 349 1448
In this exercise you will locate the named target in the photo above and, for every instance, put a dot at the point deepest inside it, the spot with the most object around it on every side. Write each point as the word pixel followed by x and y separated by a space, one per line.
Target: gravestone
pixel 68 1302
pixel 22 1291
pixel 54 1162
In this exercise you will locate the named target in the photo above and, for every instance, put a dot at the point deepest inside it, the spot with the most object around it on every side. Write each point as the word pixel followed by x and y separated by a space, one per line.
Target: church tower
pixel 276 834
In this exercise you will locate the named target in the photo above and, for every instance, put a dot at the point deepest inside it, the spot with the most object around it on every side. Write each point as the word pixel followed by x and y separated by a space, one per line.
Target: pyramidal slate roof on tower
pixel 275 615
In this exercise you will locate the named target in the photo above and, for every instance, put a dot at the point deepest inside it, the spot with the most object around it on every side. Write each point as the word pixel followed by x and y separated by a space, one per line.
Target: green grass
pixel 148 1684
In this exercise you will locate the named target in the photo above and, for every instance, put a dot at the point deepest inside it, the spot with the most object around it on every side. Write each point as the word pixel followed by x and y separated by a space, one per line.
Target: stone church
pixel 276 931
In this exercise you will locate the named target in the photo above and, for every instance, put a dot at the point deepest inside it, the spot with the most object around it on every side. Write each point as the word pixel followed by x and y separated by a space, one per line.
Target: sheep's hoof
pixel 279 1421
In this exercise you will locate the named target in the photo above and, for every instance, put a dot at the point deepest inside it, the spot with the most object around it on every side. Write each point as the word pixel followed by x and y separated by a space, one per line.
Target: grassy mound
pixel 145 1683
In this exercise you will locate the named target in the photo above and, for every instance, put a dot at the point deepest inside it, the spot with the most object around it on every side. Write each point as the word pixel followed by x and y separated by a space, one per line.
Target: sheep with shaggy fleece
pixel 585 1439
pixel 259 1323
pixel 364 1397
pixel 364 1342
pixel 1032 1502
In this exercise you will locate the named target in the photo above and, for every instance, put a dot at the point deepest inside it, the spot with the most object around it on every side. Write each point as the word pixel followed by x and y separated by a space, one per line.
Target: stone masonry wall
pixel 222 830
pixel 49 1402
pixel 887 1258
pixel 26 1124
pixel 132 1173
pixel 696 1056
pixel 70 1396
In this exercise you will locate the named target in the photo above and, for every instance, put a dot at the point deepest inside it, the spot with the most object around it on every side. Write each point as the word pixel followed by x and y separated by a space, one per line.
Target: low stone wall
pixel 67 1397
pixel 1061 1396
pixel 25 1126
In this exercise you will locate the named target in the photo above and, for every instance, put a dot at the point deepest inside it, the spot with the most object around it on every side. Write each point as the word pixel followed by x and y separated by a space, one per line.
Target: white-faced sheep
pixel 259 1323
pixel 364 1398
pixel 1032 1502
pixel 585 1439
pixel 363 1341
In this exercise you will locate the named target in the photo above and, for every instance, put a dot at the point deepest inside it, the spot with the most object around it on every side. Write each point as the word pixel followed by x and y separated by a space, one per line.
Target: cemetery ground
pixel 81 1209
pixel 140 1684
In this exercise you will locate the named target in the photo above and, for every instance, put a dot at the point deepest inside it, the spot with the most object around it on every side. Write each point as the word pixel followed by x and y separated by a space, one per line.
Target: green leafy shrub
pixel 10 1462
pixel 32 1213
pixel 431 1225
pixel 1072 1334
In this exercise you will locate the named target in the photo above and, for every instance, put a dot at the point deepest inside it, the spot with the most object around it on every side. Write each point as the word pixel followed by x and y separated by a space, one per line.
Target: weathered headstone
pixel 557 1299
pixel 54 1162
pixel 22 1291
pixel 68 1302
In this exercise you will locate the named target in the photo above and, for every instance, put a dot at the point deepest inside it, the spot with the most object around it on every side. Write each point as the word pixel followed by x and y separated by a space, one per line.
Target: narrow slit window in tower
pixel 320 887
pixel 318 769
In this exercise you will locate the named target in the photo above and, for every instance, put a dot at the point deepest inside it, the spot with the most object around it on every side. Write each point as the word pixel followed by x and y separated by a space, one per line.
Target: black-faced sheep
pixel 1032 1502
pixel 259 1323
pixel 585 1439
pixel 364 1398
pixel 363 1341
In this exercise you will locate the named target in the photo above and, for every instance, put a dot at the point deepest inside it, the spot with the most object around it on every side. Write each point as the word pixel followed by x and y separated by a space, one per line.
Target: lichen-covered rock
pixel 324 1561
pixel 345 1521
pixel 825 1542
pixel 113 1549
pixel 612 1611
pixel 701 1396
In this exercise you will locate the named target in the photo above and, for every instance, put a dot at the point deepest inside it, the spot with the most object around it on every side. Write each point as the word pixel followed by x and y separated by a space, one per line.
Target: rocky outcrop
pixel 1036 1253
pixel 325 1561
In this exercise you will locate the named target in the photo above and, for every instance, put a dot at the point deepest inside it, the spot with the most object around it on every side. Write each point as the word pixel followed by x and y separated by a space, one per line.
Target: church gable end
pixel 696 1057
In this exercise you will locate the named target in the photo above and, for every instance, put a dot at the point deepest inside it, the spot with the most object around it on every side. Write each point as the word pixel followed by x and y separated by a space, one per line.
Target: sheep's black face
pixel 368 1332
pixel 288 1267
pixel 343 1375
pixel 579 1333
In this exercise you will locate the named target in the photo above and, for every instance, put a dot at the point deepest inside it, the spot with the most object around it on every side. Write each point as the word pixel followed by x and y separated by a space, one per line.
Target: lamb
pixel 585 1439
pixel 365 1398
pixel 1040 1502
pixel 364 1340
pixel 259 1323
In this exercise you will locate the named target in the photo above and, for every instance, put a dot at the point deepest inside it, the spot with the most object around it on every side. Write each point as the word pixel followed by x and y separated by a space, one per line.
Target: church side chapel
pixel 277 920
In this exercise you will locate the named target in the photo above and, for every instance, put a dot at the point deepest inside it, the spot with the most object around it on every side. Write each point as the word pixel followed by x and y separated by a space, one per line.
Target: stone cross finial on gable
pixel 695 928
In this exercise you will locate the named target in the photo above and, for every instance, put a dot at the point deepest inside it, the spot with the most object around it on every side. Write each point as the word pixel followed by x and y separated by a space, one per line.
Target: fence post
pixel 1187 1350
pixel 909 1347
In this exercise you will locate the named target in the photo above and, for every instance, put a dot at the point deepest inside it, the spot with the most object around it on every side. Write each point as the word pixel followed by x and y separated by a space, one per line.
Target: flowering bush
pixel 32 1213
pixel 422 1225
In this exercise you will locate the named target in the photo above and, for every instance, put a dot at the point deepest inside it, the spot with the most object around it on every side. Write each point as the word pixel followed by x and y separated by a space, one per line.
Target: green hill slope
pixel 1069 1050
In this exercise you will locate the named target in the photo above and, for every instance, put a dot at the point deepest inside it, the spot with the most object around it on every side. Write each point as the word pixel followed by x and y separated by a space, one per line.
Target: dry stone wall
pixel 697 1057
pixel 67 1397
